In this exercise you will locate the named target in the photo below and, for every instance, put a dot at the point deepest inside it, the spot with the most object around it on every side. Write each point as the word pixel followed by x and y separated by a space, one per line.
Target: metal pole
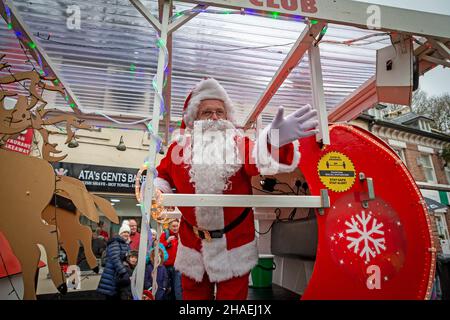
pixel 147 14
pixel 152 152
pixel 255 201
pixel 318 94
pixel 168 89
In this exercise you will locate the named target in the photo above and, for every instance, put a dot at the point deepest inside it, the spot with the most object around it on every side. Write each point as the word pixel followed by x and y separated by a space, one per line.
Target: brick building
pixel 420 146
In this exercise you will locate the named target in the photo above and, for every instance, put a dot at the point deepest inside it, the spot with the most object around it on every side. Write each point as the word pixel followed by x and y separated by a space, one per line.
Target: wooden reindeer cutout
pixel 71 230
pixel 22 116
pixel 75 190
pixel 27 187
pixel 29 184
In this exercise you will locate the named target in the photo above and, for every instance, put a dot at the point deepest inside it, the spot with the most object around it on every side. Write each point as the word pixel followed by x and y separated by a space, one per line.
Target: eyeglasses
pixel 209 113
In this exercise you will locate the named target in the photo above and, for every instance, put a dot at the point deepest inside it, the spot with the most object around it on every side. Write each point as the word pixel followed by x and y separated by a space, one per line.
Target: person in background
pixel 162 278
pixel 115 272
pixel 101 232
pixel 161 246
pixel 124 284
pixel 169 238
pixel 135 236
pixel 98 243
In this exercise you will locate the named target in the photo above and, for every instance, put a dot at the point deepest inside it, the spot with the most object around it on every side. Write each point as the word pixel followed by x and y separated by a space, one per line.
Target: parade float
pixel 366 241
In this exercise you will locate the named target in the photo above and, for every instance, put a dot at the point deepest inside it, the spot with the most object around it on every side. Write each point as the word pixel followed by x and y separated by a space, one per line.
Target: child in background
pixel 162 278
pixel 161 246
pixel 125 286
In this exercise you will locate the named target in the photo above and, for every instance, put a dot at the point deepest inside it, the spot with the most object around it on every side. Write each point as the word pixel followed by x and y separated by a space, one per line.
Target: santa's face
pixel 211 109
pixel 215 156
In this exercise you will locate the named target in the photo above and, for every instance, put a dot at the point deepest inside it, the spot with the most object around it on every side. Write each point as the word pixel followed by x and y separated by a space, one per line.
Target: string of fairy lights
pixel 242 11
pixel 177 15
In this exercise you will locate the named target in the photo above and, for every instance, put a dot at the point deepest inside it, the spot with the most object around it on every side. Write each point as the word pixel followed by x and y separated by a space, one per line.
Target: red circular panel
pixel 384 251
pixel 362 239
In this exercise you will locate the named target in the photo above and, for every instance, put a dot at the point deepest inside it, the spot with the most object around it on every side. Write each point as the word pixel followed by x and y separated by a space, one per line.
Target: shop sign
pixel 100 178
pixel 21 144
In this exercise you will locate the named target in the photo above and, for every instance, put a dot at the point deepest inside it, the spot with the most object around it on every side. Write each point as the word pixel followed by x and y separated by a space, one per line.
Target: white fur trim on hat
pixel 208 89
pixel 125 227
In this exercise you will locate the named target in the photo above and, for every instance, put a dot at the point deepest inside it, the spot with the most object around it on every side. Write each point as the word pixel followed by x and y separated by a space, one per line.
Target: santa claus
pixel 217 246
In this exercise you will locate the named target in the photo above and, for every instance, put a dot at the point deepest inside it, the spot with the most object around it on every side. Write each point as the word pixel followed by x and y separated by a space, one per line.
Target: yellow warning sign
pixel 336 171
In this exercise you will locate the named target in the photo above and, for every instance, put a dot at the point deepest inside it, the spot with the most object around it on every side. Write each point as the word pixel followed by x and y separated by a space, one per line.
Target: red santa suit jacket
pixel 235 254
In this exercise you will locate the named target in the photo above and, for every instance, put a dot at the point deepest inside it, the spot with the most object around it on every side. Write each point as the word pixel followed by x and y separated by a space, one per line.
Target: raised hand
pixel 300 124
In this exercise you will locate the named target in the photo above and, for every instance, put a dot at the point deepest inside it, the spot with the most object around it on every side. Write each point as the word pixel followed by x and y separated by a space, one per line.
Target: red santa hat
pixel 208 88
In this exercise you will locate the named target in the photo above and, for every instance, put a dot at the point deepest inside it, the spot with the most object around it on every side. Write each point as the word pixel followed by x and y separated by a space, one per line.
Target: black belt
pixel 208 235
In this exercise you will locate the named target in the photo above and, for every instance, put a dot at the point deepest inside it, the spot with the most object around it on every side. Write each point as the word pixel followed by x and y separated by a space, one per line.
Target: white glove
pixel 296 125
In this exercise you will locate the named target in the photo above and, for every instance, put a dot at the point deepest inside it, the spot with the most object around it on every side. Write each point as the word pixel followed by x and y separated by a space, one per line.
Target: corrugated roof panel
pixel 110 62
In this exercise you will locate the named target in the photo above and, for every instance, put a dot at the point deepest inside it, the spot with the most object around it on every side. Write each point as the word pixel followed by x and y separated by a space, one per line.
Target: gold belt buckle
pixel 207 235
pixel 205 232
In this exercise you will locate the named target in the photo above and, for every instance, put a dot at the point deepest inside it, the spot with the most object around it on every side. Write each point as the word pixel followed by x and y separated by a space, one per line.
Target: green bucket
pixel 262 272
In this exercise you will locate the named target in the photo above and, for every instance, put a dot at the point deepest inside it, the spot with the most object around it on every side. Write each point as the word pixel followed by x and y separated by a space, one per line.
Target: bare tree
pixel 419 100
pixel 436 108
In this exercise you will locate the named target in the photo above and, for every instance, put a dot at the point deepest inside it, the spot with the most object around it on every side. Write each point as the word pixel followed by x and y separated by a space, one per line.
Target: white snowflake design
pixel 366 234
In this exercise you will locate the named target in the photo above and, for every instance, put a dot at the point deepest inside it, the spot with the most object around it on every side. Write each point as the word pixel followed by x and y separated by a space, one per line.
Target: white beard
pixel 215 157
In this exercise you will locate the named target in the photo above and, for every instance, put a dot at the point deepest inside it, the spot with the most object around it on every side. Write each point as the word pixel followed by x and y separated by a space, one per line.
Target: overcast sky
pixel 437 81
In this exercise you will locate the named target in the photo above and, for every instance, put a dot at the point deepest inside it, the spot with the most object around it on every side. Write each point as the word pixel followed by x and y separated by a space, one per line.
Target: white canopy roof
pixel 109 63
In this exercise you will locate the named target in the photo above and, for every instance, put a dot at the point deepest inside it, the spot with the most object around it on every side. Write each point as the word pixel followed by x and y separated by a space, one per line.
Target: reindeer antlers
pixel 71 121
pixel 22 117
pixel 3 65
